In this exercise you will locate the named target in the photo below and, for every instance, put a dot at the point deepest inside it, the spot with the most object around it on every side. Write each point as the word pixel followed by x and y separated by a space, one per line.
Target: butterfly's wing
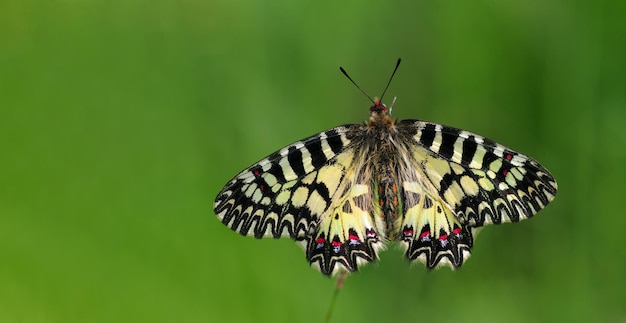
pixel 467 181
pixel 308 191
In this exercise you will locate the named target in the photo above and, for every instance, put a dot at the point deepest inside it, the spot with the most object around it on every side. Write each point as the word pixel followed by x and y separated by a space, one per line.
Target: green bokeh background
pixel 121 120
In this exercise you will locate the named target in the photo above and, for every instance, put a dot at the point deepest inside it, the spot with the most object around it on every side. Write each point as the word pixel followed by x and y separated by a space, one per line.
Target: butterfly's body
pixel 382 144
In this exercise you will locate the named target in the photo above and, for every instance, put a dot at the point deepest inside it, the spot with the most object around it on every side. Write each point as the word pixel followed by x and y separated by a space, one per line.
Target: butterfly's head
pixel 380 115
pixel 378 107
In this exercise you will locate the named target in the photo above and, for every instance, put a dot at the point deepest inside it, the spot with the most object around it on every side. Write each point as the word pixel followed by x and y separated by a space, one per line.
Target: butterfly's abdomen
pixel 388 198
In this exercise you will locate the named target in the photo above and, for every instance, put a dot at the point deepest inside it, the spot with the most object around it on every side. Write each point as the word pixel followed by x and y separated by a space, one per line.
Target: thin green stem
pixel 340 280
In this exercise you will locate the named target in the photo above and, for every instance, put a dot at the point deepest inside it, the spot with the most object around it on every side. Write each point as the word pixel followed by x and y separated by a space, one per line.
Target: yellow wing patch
pixel 346 236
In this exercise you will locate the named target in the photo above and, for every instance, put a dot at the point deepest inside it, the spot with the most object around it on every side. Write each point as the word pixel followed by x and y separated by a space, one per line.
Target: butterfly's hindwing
pixel 347 236
pixel 430 231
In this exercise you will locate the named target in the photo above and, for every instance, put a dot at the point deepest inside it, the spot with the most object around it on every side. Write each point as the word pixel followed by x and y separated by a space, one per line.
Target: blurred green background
pixel 121 120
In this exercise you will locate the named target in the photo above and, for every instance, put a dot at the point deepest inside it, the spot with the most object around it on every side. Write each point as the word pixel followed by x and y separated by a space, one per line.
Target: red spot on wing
pixel 320 240
pixel 424 234
pixel 256 172
pixel 443 237
pixel 353 237
pixel 457 231
pixel 370 233
pixel 504 172
pixel 508 157
pixel 336 243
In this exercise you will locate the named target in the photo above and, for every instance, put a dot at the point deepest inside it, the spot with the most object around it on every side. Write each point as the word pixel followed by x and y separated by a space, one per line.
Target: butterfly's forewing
pixel 308 191
pixel 469 181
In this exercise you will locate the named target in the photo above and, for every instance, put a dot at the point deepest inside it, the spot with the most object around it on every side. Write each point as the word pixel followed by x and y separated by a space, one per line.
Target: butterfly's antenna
pixel 353 82
pixel 391 78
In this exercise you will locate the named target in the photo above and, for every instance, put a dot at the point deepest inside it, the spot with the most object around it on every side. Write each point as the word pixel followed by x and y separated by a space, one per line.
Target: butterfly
pixel 347 192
